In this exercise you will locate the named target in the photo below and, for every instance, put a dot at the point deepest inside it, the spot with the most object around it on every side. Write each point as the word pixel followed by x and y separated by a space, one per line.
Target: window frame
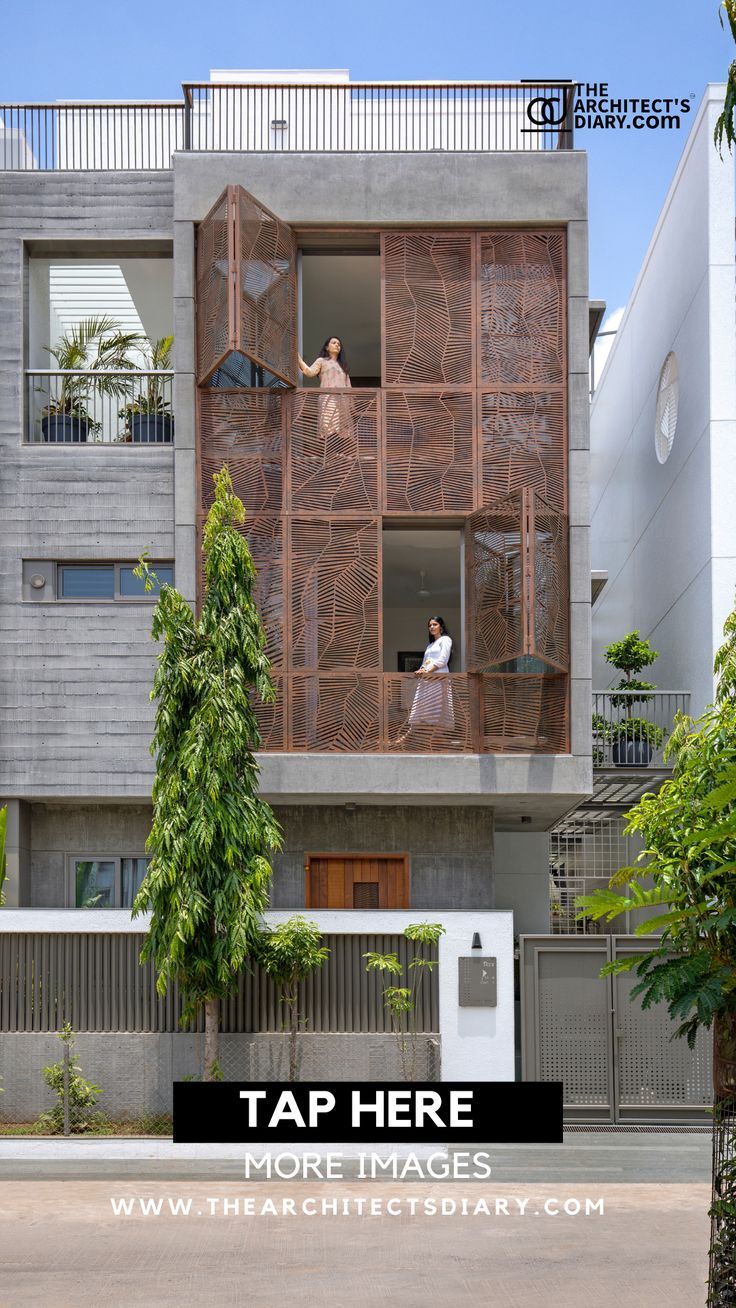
pixel 117 597
pixel 71 878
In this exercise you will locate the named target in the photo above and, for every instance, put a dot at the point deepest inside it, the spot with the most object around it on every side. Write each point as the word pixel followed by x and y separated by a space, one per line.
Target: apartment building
pixel 442 235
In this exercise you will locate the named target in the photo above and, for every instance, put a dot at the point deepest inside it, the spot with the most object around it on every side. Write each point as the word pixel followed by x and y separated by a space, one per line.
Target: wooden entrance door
pixel 357 881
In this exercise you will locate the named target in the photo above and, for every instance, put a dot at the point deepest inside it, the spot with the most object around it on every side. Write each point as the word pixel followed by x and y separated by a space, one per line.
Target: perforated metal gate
pixel 617 1061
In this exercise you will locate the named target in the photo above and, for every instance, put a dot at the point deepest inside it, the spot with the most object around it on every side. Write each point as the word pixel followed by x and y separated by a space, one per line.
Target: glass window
pixel 133 586
pixel 95 883
pixel 84 581
pixel 134 870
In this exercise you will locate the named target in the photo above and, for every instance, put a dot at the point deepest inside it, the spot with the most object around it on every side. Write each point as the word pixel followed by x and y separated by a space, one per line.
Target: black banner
pixel 419 1112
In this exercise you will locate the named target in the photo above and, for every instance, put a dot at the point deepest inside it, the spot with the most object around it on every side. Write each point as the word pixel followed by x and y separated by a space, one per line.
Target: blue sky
pixel 657 48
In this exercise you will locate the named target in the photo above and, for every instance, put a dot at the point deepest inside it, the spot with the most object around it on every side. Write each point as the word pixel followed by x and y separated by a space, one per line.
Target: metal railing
pixel 342 117
pixel 99 406
pixel 631 727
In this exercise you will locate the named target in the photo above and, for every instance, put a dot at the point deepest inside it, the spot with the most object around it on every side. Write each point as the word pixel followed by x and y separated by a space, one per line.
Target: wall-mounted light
pixel 476 941
pixel 279 124
pixel 525 817
pixel 37 580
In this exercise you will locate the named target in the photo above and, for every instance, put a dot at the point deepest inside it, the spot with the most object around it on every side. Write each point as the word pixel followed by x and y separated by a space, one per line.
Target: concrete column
pixel 18 854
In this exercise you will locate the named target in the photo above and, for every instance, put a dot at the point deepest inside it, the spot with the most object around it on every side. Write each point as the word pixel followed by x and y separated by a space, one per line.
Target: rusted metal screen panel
pixel 336 593
pixel 336 712
pixel 333 450
pixel 551 608
pixel 429 462
pixel 522 308
pixel 215 282
pixel 429 716
pixel 495 596
pixel 524 714
pixel 272 718
pixel 266 294
pixel 428 297
pixel 96 982
pixel 523 444
pixel 243 430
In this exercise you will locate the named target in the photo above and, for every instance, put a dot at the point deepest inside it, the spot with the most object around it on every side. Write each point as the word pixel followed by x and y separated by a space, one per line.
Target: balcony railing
pixel 631 727
pixel 85 408
pixel 342 117
pixel 365 712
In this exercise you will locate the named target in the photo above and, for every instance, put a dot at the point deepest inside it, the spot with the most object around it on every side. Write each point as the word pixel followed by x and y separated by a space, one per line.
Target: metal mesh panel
pixel 335 593
pixel 427 308
pixel 584 854
pixel 574 1026
pixel 243 430
pixel 654 1069
pixel 523 445
pixel 215 336
pixel 522 307
pixel 429 716
pixel 429 451
pixel 333 450
pixel 266 287
pixel 335 712
pixel 524 714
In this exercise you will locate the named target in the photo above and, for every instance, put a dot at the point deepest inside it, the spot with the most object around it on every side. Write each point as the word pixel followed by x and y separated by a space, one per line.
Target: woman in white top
pixel 432 706
pixel 334 414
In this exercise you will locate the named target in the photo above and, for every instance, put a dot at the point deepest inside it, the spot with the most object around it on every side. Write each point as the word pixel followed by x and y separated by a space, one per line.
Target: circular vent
pixel 668 395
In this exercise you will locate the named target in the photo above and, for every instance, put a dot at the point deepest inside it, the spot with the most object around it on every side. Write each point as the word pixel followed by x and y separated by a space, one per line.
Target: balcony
pixel 99 407
pixel 630 734
pixel 334 116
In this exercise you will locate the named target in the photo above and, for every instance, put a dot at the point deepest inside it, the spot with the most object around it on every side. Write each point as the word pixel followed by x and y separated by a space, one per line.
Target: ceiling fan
pixel 423 592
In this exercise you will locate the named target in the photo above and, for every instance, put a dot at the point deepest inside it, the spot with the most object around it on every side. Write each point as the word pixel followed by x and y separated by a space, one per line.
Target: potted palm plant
pixel 95 345
pixel 148 418
pixel 633 739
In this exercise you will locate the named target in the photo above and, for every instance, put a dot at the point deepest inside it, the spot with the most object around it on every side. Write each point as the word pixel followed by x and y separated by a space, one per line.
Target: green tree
pixel 212 835
pixel 401 1002
pixel 724 122
pixel 289 953
pixel 3 856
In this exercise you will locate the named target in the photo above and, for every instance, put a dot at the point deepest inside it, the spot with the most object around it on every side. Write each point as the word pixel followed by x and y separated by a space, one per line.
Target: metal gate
pixel 617 1061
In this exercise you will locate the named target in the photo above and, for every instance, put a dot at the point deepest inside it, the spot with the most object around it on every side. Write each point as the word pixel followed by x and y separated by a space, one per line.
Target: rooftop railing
pixel 337 117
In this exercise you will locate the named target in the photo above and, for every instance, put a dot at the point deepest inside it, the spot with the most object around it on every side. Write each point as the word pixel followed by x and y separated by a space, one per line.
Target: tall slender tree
pixel 212 835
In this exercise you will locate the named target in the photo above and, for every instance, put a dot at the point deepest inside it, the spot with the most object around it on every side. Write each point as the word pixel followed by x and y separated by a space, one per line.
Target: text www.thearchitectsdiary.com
pixel 357 1206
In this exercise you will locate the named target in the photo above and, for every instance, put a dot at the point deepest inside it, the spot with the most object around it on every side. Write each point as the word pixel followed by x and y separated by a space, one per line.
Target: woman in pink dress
pixel 332 369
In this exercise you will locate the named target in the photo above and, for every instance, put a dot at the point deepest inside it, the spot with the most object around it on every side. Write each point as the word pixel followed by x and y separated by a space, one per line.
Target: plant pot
pixel 151 428
pixel 631 753
pixel 64 429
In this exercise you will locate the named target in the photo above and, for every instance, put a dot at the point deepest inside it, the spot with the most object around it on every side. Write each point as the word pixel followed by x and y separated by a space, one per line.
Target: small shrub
pixel 83 1094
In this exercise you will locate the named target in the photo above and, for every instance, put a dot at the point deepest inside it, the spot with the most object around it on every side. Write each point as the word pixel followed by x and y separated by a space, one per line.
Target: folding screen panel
pixel 333 451
pixel 335 593
pixel 523 444
pixel 517 587
pixel 428 308
pixel 522 714
pixel 429 459
pixel 246 290
pixel 522 308
pixel 243 429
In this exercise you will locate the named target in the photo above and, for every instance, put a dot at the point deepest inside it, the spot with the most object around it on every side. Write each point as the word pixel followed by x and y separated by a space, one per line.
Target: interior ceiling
pixel 406 554
pixel 341 296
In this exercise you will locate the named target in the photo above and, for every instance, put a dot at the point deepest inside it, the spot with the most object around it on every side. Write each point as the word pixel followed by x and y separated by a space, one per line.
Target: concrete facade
pixel 664 532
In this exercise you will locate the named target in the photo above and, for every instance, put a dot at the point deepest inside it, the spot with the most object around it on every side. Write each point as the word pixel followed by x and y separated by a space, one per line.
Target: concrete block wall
pixel 451 850
pixel 58 831
pixel 74 678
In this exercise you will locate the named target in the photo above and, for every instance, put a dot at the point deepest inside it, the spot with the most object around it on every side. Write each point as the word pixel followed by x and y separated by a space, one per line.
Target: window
pixel 106 882
pixel 91 582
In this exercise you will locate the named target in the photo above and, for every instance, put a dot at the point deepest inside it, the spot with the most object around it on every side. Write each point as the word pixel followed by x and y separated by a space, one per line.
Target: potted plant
pixel 93 345
pixel 148 417
pixel 633 739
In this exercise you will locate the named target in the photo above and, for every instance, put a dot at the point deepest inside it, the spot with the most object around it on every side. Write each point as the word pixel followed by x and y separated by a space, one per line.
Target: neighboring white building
pixel 663 480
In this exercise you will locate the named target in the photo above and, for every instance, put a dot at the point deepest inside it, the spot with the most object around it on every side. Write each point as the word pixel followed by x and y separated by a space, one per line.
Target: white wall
pixel 666 533
pixel 521 879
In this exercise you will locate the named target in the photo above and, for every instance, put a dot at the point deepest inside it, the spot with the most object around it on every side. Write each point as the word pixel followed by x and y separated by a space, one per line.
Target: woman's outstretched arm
pixel 315 369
